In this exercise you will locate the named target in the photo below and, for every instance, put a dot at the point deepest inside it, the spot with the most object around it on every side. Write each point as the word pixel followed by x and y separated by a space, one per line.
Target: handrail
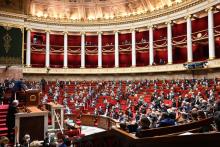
pixel 58 121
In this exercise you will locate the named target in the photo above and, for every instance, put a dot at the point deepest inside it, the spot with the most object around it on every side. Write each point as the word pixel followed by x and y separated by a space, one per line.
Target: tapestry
pixel 10 45
pixel 15 6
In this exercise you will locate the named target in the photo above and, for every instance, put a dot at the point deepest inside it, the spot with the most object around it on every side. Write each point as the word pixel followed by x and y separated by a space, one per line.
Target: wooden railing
pixel 166 136
pixel 174 129
pixel 90 120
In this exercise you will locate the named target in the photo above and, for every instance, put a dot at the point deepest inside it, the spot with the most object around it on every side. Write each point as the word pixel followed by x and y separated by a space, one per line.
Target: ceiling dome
pixel 84 10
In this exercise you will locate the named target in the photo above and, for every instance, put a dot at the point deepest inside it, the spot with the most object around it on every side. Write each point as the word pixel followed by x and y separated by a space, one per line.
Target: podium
pixel 32 97
pixel 33 122
pixel 29 97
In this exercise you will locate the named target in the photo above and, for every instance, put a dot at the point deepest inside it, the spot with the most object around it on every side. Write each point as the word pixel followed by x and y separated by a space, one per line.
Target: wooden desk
pixel 33 122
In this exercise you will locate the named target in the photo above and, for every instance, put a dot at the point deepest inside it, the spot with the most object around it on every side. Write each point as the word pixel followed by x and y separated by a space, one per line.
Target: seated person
pixel 132 127
pixel 217 105
pixel 70 124
pixel 166 120
pixel 217 120
pixel 194 115
pixel 205 128
pixel 4 141
pixel 144 124
pixel 44 100
pixel 25 141
pixel 183 118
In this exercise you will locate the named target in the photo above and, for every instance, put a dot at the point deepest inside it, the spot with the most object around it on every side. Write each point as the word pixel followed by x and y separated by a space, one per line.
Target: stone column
pixel 133 48
pixel 169 42
pixel 82 49
pixel 189 39
pixel 28 48
pixel 99 49
pixel 116 50
pixel 151 46
pixel 47 49
pixel 65 55
pixel 211 34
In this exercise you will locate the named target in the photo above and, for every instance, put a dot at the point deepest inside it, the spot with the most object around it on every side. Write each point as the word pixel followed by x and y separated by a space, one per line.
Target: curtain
pixel 38 59
pixel 74 57
pixel 161 54
pixel 91 56
pixel 74 40
pixel 57 40
pixel 142 58
pixel 124 59
pixel 108 56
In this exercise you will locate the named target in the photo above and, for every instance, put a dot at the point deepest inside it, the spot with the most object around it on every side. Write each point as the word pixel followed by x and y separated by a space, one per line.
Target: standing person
pixel 43 84
pixel 6 83
pixel 18 86
pixel 2 91
pixel 10 119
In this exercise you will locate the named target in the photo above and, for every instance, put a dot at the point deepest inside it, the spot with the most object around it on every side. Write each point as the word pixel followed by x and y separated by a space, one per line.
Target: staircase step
pixel 2 116
pixel 3 134
pixel 3 107
pixel 2 121
pixel 3 112
pixel 2 125
pixel 3 130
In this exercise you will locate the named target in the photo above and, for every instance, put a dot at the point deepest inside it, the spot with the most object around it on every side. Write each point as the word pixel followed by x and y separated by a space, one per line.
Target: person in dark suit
pixel 18 86
pixel 10 119
pixel 26 141
pixel 2 91
pixel 43 84
pixel 6 83
pixel 166 120
pixel 144 124
pixel 217 120
pixel 46 142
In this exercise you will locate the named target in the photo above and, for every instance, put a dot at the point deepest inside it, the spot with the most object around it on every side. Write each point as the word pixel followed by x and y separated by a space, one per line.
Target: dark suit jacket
pixel 19 85
pixel 10 119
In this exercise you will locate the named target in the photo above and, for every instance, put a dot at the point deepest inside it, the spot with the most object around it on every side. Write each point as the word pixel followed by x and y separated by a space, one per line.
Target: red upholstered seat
pixel 78 122
pixel 72 133
pixel 168 102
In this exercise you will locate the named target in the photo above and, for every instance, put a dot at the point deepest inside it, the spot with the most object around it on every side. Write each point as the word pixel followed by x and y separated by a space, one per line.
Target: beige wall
pixel 16 72
pixel 174 75
pixel 10 72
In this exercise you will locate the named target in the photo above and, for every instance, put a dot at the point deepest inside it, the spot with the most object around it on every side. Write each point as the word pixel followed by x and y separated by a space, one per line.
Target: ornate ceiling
pixel 84 10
